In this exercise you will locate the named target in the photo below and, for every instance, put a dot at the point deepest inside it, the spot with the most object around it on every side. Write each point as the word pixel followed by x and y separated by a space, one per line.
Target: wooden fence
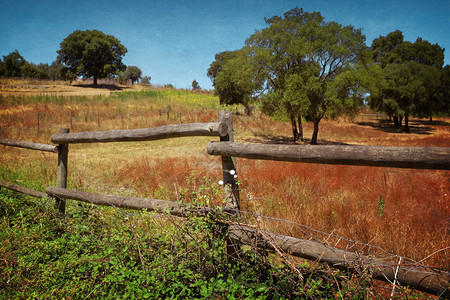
pixel 436 158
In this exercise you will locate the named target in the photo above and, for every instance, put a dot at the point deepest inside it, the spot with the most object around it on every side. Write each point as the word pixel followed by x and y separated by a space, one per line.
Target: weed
pixel 380 206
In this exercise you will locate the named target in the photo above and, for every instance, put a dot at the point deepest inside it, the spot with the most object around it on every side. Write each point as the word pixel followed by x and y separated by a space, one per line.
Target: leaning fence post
pixel 61 177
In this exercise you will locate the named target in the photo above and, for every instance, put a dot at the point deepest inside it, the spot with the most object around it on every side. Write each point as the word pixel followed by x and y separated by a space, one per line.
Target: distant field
pixel 406 212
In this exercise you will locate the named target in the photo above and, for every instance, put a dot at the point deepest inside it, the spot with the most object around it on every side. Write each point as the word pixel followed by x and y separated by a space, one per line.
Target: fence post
pixel 229 165
pixel 230 184
pixel 61 177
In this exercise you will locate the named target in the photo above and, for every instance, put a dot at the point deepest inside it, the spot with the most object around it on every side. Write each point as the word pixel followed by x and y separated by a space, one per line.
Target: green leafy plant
pixel 380 206
pixel 107 253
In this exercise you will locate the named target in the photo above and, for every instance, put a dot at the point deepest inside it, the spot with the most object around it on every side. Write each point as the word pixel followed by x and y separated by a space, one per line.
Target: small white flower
pixel 235 176
pixel 232 172
pixel 221 182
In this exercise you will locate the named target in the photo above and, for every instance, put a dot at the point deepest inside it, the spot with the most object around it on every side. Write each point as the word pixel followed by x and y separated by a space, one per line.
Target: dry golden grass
pixel 345 200
pixel 34 87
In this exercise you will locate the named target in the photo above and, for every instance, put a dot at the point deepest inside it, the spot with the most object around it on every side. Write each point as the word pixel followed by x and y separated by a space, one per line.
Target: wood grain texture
pixel 160 206
pixel 143 134
pixel 437 158
pixel 29 145
pixel 381 269
pixel 22 189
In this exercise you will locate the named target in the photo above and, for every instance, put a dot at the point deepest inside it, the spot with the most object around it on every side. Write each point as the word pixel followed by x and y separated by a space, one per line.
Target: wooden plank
pixel 437 158
pixel 419 278
pixel 22 189
pixel 29 145
pixel 161 206
pixel 143 134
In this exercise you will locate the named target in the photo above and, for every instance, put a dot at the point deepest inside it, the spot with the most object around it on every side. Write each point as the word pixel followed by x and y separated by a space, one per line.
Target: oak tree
pixel 91 53
pixel 410 82
pixel 13 64
pixel 133 73
pixel 234 77
pixel 307 65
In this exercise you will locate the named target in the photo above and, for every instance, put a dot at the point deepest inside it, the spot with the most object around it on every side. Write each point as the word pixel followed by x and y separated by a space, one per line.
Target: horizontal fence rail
pixel 29 145
pixel 156 205
pixel 381 269
pixel 436 158
pixel 143 134
pixel 22 189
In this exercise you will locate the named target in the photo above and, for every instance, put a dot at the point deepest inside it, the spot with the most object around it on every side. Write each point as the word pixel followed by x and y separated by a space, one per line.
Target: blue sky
pixel 175 41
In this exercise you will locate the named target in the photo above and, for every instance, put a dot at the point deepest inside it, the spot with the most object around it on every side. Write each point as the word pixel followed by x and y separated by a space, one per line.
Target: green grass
pixel 191 98
pixel 104 253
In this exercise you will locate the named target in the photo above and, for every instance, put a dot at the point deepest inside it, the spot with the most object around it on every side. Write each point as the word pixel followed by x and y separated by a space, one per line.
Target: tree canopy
pixel 304 65
pixel 409 81
pixel 133 73
pixel 13 64
pixel 195 85
pixel 234 77
pixel 91 53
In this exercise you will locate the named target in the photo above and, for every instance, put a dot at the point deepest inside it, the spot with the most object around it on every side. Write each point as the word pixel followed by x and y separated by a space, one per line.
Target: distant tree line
pixel 301 67
pixel 14 65
pixel 89 54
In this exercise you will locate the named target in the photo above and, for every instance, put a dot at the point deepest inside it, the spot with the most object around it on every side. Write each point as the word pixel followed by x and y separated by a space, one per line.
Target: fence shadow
pixel 284 140
pixel 433 123
pixel 111 87
pixel 415 126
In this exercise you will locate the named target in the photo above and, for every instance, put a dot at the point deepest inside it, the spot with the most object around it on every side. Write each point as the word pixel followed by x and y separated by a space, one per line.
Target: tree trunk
pixel 396 124
pixel 315 132
pixel 431 119
pixel 95 80
pixel 248 110
pixel 398 121
pixel 300 128
pixel 407 129
pixel 294 128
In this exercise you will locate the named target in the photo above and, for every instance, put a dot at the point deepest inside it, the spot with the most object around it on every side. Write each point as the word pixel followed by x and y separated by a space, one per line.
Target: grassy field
pixel 406 212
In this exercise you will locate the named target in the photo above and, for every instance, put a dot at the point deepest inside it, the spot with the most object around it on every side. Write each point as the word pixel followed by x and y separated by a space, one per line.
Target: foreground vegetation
pixel 108 254
pixel 402 211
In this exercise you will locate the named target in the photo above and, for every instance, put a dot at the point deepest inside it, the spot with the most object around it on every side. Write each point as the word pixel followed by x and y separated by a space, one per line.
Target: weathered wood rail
pixel 29 145
pixel 436 158
pixel 156 205
pixel 144 134
pixel 424 280
pixel 398 157
pixel 22 189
